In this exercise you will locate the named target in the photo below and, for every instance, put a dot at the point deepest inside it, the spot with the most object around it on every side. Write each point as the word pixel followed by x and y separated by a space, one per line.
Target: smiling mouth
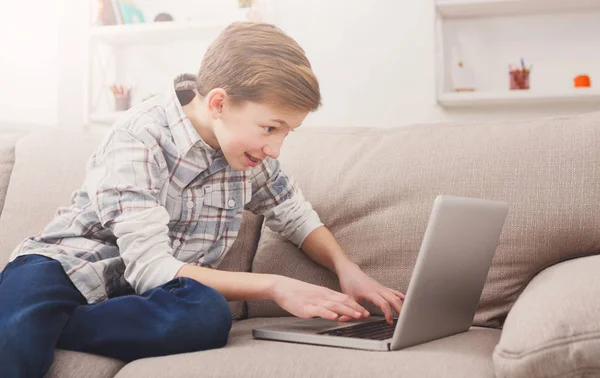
pixel 252 158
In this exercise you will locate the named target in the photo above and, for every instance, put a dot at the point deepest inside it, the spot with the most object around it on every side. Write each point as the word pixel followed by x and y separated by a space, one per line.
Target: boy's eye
pixel 269 129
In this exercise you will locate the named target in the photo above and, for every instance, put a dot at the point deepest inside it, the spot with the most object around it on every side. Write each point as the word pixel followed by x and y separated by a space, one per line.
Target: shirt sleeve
pixel 276 196
pixel 124 181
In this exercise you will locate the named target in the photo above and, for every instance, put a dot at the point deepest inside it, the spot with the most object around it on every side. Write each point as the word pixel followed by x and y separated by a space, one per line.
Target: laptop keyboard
pixel 379 330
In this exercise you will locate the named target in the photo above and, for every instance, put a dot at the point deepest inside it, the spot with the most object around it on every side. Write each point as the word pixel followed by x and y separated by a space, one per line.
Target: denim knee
pixel 36 298
pixel 209 317
pixel 16 350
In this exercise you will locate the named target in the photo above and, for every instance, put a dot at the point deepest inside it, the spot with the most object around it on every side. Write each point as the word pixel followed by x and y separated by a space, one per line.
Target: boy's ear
pixel 216 101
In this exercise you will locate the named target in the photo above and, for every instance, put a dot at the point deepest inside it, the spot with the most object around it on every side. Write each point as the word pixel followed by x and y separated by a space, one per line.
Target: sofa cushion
pixel 7 158
pixel 463 355
pixel 374 189
pixel 69 364
pixel 554 327
pixel 49 166
pixel 239 258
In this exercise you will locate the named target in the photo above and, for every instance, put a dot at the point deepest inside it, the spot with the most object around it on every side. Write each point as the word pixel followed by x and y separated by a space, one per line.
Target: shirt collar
pixel 182 130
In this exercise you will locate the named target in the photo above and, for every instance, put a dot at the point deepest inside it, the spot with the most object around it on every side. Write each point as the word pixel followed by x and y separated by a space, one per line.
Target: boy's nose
pixel 271 151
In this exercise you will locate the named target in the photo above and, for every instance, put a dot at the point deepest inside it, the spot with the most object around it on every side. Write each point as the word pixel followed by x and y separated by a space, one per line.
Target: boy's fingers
pixel 351 302
pixel 399 294
pixel 383 305
pixel 343 309
pixel 393 300
pixel 322 313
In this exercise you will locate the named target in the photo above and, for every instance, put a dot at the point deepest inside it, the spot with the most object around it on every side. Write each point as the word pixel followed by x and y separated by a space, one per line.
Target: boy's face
pixel 250 132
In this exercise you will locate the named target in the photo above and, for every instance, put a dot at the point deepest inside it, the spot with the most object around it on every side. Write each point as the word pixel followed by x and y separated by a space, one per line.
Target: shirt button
pixel 190 204
pixel 231 203
pixel 176 243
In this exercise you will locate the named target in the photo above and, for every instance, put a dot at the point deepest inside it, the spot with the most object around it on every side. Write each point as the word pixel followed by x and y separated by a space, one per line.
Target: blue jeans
pixel 41 309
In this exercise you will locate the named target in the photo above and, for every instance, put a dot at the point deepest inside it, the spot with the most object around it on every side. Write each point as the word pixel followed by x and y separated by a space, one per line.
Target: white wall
pixel 376 60
pixel 28 63
pixel 74 17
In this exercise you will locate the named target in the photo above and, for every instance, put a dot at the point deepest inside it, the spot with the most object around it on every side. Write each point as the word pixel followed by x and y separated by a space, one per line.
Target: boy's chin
pixel 237 165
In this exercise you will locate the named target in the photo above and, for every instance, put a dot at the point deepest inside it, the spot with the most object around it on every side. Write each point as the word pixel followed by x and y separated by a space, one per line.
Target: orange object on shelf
pixel 582 81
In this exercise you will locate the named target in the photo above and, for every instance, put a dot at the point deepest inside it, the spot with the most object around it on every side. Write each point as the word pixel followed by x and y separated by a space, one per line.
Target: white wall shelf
pixel 111 45
pixel 147 56
pixel 556 36
pixel 519 97
pixel 155 32
pixel 494 8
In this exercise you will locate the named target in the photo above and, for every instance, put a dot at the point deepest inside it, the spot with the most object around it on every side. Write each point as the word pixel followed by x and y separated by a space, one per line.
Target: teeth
pixel 251 158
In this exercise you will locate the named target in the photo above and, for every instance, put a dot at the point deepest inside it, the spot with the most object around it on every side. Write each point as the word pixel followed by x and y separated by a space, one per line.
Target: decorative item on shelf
pixel 256 9
pixel 519 77
pixel 122 97
pixel 116 12
pixel 130 13
pixel 463 79
pixel 104 13
pixel 162 17
pixel 582 81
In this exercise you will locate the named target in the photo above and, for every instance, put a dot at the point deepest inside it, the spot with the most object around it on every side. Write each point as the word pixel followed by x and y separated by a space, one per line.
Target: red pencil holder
pixel 519 79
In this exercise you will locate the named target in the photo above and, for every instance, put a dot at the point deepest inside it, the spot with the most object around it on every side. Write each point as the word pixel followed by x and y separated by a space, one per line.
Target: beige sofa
pixel 539 313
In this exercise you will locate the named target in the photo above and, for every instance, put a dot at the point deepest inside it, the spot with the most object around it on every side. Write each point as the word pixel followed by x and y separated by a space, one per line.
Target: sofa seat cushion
pixel 374 189
pixel 69 364
pixel 464 355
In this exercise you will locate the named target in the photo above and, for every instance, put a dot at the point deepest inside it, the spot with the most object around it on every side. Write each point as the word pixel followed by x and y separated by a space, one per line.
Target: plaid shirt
pixel 156 196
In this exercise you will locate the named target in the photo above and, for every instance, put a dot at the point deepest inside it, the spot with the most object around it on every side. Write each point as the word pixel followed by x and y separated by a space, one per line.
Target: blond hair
pixel 258 62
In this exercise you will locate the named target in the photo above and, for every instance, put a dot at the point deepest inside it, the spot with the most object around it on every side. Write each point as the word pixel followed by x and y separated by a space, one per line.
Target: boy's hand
pixel 307 300
pixel 359 286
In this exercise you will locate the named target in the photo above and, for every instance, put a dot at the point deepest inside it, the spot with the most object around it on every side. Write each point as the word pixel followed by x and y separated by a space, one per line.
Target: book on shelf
pixel 118 12
pixel 105 14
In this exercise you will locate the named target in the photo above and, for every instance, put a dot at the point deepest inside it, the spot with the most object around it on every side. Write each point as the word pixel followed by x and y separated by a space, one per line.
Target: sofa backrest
pixel 49 165
pixel 374 189
pixel 7 159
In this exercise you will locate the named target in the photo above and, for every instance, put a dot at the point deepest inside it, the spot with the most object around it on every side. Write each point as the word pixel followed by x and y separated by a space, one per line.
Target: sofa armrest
pixel 553 329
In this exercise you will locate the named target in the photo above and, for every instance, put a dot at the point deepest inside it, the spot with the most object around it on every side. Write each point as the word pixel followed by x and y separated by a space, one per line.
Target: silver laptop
pixel 443 293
